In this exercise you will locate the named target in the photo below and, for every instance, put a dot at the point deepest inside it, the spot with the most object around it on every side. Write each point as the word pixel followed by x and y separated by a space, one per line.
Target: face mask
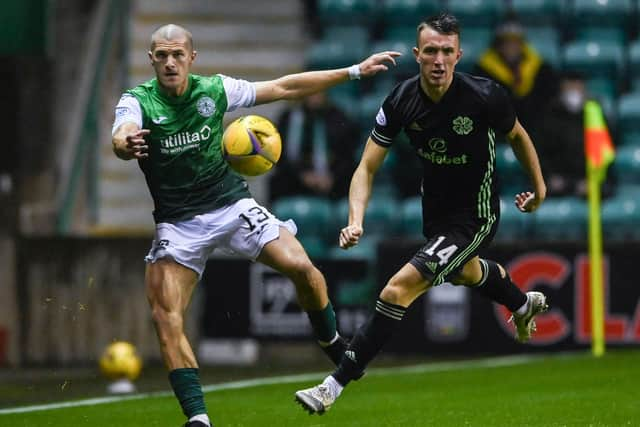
pixel 573 100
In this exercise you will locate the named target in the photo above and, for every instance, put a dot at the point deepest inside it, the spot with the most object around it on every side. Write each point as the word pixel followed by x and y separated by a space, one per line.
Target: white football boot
pixel 525 323
pixel 318 399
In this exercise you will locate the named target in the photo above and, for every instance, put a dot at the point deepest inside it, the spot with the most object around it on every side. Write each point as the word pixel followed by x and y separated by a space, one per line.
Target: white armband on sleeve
pixel 127 110
pixel 240 93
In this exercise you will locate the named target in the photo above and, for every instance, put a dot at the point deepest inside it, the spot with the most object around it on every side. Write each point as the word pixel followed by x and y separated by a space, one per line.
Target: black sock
pixel 368 341
pixel 499 289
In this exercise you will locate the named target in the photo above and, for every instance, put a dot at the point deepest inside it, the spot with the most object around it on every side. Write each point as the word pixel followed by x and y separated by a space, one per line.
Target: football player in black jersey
pixel 450 119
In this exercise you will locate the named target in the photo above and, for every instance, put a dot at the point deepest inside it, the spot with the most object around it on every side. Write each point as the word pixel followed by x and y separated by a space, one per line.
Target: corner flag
pixel 599 154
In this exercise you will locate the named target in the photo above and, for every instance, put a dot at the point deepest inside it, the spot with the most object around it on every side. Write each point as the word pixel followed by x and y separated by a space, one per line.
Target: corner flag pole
pixel 595 265
pixel 599 153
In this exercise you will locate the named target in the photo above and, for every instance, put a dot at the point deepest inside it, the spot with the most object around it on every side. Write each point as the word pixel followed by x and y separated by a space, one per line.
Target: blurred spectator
pixel 560 141
pixel 318 150
pixel 513 63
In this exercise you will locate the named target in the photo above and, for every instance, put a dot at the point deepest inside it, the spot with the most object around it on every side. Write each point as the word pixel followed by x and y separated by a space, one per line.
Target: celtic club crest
pixel 462 125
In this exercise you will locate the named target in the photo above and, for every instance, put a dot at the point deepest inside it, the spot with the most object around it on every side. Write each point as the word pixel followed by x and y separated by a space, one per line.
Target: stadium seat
pixel 538 12
pixel 365 249
pixel 412 217
pixel 331 53
pixel 512 222
pixel 607 34
pixel 546 41
pixel 382 217
pixel 630 138
pixel 629 112
pixel 406 12
pixel 594 58
pixel 512 177
pixel 358 34
pixel 472 49
pixel 612 13
pixel 347 11
pixel 356 292
pixel 621 216
pixel 561 218
pixel 311 214
pixel 634 61
pixel 626 166
pixel 476 13
pixel 602 87
pixel 406 64
pixel 315 246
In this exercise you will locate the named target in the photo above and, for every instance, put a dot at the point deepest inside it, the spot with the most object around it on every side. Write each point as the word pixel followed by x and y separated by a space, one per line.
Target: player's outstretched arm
pixel 299 85
pixel 526 154
pixel 360 191
pixel 129 143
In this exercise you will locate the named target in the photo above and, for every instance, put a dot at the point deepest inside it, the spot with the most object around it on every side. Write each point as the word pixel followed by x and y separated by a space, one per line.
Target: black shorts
pixel 451 242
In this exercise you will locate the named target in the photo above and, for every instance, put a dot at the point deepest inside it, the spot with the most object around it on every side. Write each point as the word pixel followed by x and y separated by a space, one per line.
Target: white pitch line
pixel 491 362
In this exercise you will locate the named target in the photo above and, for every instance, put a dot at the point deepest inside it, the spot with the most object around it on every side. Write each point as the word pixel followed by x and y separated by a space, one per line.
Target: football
pixel 120 360
pixel 251 145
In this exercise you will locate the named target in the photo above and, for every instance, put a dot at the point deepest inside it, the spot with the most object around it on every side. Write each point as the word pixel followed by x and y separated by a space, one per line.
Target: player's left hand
pixel 528 201
pixel 377 62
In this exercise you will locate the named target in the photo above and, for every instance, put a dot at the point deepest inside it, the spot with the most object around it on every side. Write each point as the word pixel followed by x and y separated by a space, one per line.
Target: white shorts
pixel 242 228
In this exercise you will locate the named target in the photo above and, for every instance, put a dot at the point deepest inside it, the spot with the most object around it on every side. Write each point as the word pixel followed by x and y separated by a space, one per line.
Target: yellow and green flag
pixel 599 154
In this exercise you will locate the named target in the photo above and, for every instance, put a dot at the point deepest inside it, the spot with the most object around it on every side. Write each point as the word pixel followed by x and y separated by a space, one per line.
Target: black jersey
pixel 454 138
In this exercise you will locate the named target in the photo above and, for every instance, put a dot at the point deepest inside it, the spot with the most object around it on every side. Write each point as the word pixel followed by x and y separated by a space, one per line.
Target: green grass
pixel 555 390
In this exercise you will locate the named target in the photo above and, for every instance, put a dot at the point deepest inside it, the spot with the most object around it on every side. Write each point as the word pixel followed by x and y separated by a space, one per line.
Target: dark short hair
pixel 443 23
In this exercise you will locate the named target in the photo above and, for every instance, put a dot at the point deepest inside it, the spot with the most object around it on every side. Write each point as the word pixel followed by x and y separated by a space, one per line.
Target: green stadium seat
pixel 561 218
pixel 546 41
pixel 369 106
pixel 608 34
pixel 311 214
pixel 346 34
pixel 365 249
pixel 412 217
pixel 512 224
pixel 538 12
pixel 406 64
pixel 602 87
pixel 477 13
pixel 612 13
pixel 347 11
pixel 512 177
pixel 407 12
pixel 471 51
pixel 327 54
pixel 634 61
pixel 594 58
pixel 629 113
pixel 382 218
pixel 630 138
pixel 626 166
pixel 315 246
pixel 621 216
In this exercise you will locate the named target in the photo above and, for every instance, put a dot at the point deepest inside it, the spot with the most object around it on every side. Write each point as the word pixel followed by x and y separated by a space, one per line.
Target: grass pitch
pixel 551 390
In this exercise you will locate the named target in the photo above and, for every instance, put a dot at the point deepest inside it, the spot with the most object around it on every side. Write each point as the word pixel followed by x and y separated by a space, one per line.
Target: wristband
pixel 354 72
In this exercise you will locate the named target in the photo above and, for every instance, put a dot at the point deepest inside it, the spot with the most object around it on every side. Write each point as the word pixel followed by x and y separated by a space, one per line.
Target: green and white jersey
pixel 185 171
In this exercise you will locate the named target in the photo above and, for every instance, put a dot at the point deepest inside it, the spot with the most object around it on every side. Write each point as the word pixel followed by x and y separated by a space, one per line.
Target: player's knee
pixel 395 292
pixel 300 269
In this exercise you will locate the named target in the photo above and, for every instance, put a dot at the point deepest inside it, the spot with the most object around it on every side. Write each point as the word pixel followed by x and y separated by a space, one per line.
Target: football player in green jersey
pixel 172 125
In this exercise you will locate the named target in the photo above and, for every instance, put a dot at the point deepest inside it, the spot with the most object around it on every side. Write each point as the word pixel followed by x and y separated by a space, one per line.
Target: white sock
pixel 333 385
pixel 523 309
pixel 204 418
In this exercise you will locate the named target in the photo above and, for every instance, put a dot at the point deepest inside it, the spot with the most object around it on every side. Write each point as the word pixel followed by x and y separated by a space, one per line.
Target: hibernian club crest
pixel 206 107
pixel 462 125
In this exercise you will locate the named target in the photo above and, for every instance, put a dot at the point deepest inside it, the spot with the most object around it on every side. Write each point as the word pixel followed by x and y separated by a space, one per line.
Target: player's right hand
pixel 136 145
pixel 350 235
